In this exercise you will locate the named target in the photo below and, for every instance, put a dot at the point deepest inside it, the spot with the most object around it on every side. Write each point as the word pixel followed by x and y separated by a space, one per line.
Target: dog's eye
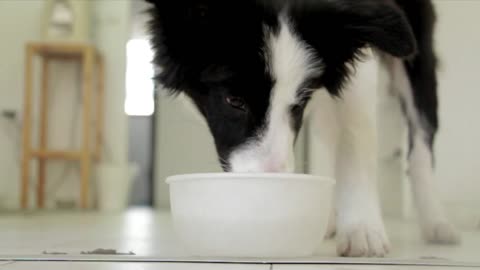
pixel 237 103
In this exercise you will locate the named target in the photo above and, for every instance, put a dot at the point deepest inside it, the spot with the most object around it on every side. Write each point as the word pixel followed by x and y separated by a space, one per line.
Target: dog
pixel 254 70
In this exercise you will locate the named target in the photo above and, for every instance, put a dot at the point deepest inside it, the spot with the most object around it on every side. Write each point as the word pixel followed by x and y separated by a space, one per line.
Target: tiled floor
pixel 150 236
pixel 359 267
pixel 128 266
pixel 170 266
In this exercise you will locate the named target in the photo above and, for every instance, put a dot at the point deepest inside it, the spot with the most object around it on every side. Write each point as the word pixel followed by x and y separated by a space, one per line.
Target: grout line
pixel 8 263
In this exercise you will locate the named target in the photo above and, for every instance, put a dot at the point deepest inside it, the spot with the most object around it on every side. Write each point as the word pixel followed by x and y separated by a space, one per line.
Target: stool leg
pixel 100 112
pixel 43 133
pixel 88 64
pixel 27 111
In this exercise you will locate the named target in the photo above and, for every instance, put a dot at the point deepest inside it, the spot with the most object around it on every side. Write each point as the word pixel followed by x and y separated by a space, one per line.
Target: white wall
pixel 14 36
pixel 111 33
pixel 458 145
pixel 20 22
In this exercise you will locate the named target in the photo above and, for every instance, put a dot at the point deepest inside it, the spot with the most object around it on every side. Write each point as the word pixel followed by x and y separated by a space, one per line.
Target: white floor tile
pixel 361 267
pixel 149 233
pixel 127 266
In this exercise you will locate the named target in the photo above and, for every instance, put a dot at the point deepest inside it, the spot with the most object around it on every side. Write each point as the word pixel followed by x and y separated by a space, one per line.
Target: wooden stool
pixel 89 59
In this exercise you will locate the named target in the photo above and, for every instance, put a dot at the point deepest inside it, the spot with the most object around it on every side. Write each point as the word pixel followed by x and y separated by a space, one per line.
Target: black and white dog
pixel 252 67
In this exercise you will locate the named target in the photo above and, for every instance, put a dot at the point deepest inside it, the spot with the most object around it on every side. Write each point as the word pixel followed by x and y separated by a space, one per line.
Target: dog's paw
pixel 441 233
pixel 362 241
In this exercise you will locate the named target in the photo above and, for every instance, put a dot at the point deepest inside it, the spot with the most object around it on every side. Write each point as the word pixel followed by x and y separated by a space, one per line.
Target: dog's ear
pixel 174 27
pixel 191 38
pixel 379 23
pixel 338 29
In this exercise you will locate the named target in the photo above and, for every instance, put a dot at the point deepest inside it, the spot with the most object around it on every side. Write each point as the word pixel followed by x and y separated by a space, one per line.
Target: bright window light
pixel 140 87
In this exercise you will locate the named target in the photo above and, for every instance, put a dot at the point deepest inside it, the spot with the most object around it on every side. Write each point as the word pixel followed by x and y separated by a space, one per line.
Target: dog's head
pixel 250 66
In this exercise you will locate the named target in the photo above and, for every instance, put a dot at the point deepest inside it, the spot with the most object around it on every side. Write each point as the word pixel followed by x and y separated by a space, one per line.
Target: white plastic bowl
pixel 250 215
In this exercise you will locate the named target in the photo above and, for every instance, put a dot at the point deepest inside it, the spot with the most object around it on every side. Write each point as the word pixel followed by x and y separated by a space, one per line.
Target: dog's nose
pixel 275 167
pixel 261 165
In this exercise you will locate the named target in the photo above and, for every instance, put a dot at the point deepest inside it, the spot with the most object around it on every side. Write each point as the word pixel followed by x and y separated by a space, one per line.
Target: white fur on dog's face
pixel 290 63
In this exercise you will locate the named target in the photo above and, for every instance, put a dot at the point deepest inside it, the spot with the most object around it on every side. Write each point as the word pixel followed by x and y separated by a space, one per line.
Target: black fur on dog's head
pixel 250 66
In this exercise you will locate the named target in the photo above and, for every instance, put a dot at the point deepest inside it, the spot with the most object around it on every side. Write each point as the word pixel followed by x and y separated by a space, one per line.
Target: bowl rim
pixel 248 176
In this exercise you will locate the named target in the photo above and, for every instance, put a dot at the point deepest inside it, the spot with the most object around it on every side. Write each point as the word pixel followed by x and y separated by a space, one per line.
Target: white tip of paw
pixel 362 241
pixel 441 233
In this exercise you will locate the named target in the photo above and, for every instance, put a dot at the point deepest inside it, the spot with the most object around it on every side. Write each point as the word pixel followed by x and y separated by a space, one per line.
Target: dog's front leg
pixel 360 229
